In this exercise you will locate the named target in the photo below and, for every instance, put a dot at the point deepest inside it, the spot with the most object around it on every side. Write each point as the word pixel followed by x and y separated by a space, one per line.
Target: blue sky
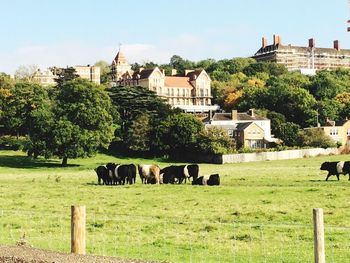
pixel 79 32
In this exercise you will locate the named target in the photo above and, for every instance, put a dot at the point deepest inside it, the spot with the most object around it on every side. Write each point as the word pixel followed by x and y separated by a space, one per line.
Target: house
pixel 190 92
pixel 247 128
pixel 338 131
pixel 305 59
pixel 48 77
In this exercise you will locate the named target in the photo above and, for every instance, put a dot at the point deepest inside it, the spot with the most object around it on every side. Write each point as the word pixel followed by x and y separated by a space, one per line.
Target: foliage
pixel 18 103
pixel 80 122
pixel 288 132
pixel 316 138
pixel 177 134
pixel 26 72
pixel 104 71
pixel 64 74
pixel 214 140
pixel 139 134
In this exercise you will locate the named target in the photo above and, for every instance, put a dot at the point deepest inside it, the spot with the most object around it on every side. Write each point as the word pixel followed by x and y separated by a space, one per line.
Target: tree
pixel 64 74
pixel 18 103
pixel 214 140
pixel 326 86
pixel 26 72
pixel 288 132
pixel 139 134
pixel 178 134
pixel 80 121
pixel 181 64
pixel 105 71
pixel 316 138
pixel 131 102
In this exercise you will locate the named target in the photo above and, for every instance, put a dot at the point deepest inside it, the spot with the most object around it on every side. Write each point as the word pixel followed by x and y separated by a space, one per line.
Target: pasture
pixel 261 212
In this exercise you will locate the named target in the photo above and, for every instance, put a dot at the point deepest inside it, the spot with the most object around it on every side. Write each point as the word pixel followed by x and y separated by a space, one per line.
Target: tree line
pixel 291 100
pixel 76 118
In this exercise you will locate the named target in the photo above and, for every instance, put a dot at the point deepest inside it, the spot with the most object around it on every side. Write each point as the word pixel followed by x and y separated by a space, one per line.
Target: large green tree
pixel 178 134
pixel 81 121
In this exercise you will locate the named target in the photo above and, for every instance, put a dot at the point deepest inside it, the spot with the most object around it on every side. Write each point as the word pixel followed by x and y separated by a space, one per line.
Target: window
pixel 348 132
pixel 333 131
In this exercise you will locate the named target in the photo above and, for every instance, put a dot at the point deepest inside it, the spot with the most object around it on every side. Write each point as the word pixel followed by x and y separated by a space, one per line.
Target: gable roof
pixel 241 116
pixel 120 58
pixel 144 74
pixel 172 81
pixel 243 126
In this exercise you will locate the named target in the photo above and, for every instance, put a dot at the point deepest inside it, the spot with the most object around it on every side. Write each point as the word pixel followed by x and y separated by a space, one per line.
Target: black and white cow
pixel 336 168
pixel 121 173
pixel 179 173
pixel 213 179
pixel 102 174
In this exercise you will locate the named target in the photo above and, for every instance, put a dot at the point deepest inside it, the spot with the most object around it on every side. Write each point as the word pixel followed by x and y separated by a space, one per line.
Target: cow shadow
pixel 15 161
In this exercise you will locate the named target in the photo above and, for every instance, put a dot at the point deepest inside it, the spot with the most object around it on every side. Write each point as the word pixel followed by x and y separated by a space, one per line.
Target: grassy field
pixel 262 212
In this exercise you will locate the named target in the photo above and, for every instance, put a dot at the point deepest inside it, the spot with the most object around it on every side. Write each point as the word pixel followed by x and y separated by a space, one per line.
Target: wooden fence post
pixel 78 219
pixel 319 250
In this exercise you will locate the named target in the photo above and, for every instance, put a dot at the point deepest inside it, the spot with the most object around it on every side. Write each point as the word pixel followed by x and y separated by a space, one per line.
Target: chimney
pixel 276 40
pixel 311 43
pixel 251 112
pixel 234 115
pixel 336 45
pixel 188 71
pixel 263 42
pixel 173 72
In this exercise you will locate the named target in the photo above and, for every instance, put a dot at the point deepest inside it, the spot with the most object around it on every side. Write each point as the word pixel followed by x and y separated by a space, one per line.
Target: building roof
pixel 298 49
pixel 144 74
pixel 242 116
pixel 120 58
pixel 194 74
pixel 243 126
pixel 174 81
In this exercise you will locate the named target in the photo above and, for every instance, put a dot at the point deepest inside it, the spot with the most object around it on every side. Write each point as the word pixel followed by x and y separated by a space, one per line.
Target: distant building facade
pixel 303 59
pixel 47 77
pixel 339 131
pixel 247 128
pixel 190 92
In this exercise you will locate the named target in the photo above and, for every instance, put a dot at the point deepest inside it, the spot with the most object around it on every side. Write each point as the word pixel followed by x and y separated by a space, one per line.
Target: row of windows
pixel 254 132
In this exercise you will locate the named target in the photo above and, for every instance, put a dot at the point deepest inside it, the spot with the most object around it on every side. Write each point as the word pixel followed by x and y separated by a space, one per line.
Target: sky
pixel 80 32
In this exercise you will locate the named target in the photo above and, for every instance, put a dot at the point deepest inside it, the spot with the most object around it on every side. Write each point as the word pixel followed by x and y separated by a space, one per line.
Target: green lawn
pixel 262 212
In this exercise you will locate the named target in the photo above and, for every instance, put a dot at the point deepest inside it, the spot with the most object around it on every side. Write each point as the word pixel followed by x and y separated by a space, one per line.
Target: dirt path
pixel 23 254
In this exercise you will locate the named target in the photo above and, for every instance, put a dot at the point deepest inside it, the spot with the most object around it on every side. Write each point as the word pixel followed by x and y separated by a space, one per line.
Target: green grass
pixel 262 212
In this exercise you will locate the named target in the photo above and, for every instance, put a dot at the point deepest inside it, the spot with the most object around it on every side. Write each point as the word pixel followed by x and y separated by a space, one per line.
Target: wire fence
pixel 174 239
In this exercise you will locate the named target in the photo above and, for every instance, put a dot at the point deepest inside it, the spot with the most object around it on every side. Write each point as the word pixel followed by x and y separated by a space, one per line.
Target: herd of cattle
pixel 120 174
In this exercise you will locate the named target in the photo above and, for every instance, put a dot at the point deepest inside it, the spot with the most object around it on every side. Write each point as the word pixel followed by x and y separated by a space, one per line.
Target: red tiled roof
pixel 183 82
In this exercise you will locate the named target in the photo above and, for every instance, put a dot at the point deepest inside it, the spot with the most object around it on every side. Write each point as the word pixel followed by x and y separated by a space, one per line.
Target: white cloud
pixel 188 45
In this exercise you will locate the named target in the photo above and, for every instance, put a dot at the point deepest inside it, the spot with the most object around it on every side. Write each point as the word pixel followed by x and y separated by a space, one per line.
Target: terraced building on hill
pixel 305 59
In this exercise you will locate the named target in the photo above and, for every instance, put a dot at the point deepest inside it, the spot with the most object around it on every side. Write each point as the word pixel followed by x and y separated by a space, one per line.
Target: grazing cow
pixel 213 179
pixel 180 173
pixel 149 173
pixel 102 174
pixel 336 168
pixel 131 178
pixel 112 179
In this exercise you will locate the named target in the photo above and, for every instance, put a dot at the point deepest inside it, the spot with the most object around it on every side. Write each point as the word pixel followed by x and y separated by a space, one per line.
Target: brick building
pixel 306 58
